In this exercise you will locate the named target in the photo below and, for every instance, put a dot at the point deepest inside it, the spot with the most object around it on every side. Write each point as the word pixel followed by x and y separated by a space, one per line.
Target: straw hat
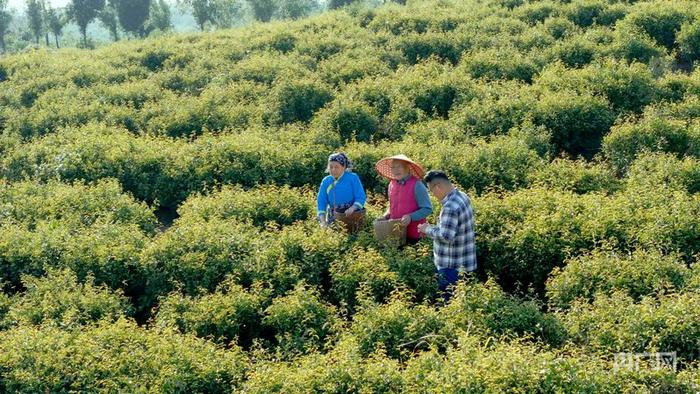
pixel 383 166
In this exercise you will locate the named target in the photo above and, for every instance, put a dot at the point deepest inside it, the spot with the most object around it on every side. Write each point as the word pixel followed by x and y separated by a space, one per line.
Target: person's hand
pixel 322 221
pixel 423 228
pixel 350 210
pixel 405 220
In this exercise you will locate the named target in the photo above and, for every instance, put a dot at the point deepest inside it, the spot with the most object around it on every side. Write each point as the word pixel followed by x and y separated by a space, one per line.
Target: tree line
pixel 139 18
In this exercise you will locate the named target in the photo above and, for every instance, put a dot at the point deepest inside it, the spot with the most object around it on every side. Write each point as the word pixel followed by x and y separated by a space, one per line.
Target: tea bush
pixel 260 205
pixel 485 309
pixel 398 327
pixel 660 23
pixel 626 141
pixel 687 39
pixel 196 256
pixel 640 273
pixel 361 269
pixel 59 300
pixel 615 323
pixel 231 314
pixel 115 357
pixel 301 321
pixel 482 366
pixel 665 169
pixel 342 369
pixel 578 176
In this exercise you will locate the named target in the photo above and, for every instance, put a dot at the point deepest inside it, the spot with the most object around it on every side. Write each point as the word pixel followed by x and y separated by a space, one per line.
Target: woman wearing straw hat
pixel 408 196
pixel 341 195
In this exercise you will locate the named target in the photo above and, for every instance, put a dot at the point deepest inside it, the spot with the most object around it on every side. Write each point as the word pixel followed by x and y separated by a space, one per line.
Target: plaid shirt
pixel 453 236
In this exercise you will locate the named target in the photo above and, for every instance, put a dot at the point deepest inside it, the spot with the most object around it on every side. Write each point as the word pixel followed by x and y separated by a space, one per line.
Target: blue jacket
pixel 347 190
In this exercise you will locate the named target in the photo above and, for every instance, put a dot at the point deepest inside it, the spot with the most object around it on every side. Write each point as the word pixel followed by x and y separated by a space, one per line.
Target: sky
pixel 22 4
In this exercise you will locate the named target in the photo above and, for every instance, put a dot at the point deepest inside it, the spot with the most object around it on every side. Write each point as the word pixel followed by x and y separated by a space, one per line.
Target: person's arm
pixel 358 192
pixel 425 207
pixel 387 213
pixel 322 200
pixel 446 230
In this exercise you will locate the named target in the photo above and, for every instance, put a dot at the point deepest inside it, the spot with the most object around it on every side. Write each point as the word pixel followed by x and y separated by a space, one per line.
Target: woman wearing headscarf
pixel 408 196
pixel 341 194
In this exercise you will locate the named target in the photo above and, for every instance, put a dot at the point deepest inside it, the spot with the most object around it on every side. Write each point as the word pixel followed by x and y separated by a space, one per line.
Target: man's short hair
pixel 436 176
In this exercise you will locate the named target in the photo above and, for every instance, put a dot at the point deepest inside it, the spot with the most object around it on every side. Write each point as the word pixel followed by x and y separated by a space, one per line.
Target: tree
pixel 335 4
pixel 35 18
pixel 227 12
pixel 133 15
pixel 108 17
pixel 203 10
pixel 295 9
pixel 56 20
pixel 160 16
pixel 5 20
pixel 263 10
pixel 83 12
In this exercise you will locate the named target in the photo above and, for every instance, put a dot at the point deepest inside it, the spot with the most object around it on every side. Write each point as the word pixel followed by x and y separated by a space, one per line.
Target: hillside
pixel 573 126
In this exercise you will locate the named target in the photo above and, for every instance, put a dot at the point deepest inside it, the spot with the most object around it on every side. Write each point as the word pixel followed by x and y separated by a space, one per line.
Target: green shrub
pixel 364 269
pixel 688 39
pixel 232 314
pixel 78 205
pixel 559 27
pixel 302 322
pixel 197 256
pixel 615 323
pixel 635 46
pixel 660 21
pixel 60 300
pixel 414 269
pixel 522 236
pixel 660 218
pixel 194 116
pixel 93 152
pixel 487 310
pixel 349 120
pixel 495 64
pixel 298 100
pixel 611 14
pixel 627 87
pixel 585 13
pixel 417 47
pixel 115 357
pixel 399 23
pixel 153 60
pixel 267 203
pixel 343 369
pixel 578 176
pixel 652 170
pixel 639 274
pixel 479 365
pixel 502 162
pixel 349 66
pixel 266 67
pixel 90 229
pixel 495 113
pixel 626 141
pixel 249 160
pixel 574 53
pixel 299 252
pixel 675 87
pixel 577 122
pixel 397 327
pixel 534 13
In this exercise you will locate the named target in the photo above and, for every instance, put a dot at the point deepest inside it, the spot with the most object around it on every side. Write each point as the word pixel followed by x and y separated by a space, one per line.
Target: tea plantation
pixel 157 204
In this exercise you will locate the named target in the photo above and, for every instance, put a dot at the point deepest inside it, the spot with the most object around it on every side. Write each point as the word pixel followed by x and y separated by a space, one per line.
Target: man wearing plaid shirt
pixel 454 249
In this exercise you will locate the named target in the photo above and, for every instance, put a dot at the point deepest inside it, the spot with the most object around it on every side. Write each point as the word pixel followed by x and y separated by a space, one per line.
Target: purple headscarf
pixel 341 158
